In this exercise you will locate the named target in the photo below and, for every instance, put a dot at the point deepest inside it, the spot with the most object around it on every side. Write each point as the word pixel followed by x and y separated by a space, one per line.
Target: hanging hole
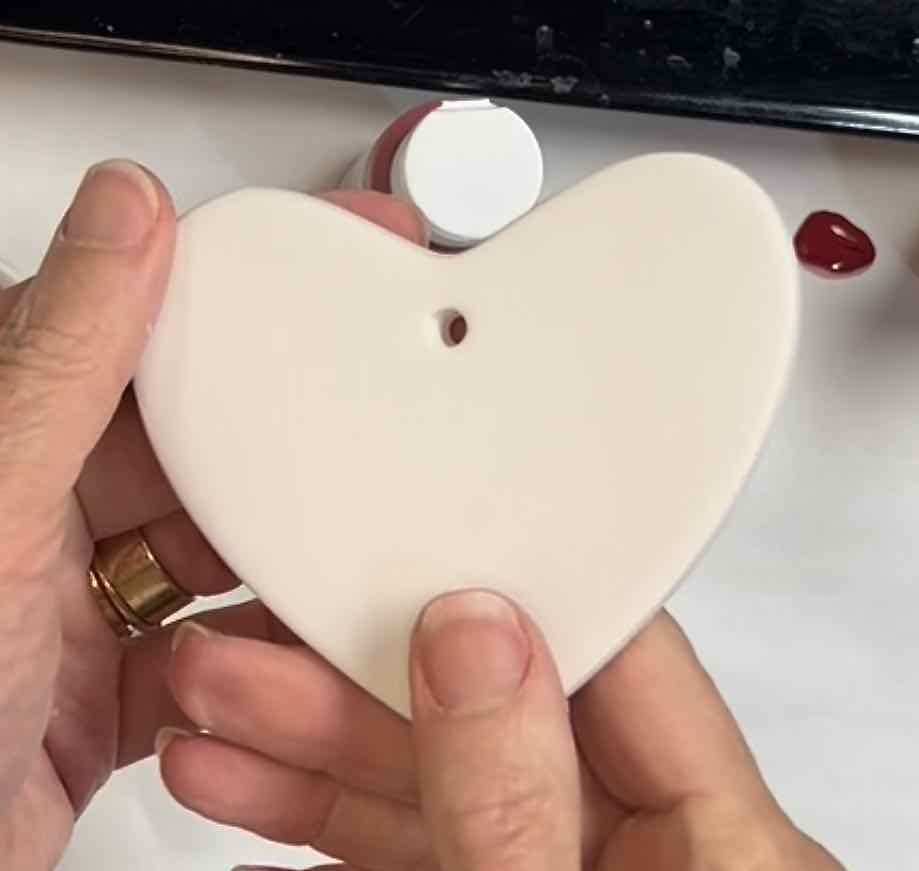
pixel 453 327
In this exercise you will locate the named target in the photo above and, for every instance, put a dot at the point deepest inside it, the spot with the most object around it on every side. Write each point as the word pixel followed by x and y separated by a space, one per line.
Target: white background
pixel 805 608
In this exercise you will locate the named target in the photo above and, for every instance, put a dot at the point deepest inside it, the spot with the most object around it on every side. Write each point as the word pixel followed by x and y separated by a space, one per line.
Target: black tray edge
pixel 805 116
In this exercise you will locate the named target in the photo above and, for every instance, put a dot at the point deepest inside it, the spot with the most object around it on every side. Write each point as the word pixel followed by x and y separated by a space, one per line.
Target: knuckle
pixel 733 839
pixel 321 828
pixel 501 828
pixel 39 351
pixel 36 365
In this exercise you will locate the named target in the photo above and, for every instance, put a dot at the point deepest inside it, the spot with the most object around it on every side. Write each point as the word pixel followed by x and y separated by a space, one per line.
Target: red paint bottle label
pixel 373 171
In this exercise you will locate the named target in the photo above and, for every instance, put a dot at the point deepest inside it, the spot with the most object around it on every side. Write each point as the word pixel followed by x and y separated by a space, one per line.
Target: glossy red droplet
pixel 832 245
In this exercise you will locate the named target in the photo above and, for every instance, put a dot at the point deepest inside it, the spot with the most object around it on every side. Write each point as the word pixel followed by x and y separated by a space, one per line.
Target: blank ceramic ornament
pixel 626 347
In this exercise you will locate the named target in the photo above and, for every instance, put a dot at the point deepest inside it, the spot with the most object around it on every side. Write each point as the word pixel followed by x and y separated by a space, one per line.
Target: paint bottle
pixel 470 167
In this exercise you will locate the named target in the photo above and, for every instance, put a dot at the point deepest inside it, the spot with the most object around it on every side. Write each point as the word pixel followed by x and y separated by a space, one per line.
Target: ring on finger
pixel 135 594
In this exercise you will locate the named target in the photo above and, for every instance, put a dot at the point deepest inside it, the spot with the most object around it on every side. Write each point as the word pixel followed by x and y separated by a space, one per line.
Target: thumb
pixel 68 348
pixel 496 757
pixel 73 339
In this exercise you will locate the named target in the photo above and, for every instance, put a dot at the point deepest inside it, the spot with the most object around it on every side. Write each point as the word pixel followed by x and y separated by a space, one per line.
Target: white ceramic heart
pixel 627 346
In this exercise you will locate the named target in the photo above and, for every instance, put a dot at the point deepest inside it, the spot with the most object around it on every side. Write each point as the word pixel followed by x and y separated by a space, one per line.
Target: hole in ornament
pixel 453 327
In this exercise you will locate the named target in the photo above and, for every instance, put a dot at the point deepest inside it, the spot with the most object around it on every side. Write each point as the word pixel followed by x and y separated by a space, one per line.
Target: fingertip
pixel 626 728
pixel 471 653
pixel 119 206
pixel 662 640
pixel 165 202
pixel 209 776
pixel 192 666
pixel 187 630
pixel 168 214
pixel 165 737
pixel 184 760
pixel 178 754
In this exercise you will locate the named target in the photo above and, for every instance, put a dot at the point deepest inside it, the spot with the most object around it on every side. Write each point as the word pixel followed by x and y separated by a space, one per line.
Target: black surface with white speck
pixel 849 64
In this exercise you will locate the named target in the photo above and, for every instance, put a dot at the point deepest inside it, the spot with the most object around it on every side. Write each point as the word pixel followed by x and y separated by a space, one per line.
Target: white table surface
pixel 806 607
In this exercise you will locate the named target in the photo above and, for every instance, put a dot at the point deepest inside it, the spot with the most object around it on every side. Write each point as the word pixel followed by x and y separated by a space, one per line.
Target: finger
pixel 289 738
pixel 239 787
pixel 122 485
pixel 600 814
pixel 176 542
pixel 10 296
pixel 497 762
pixel 73 340
pixel 392 214
pixel 187 557
pixel 67 350
pixel 644 754
pixel 232 687
pixel 147 703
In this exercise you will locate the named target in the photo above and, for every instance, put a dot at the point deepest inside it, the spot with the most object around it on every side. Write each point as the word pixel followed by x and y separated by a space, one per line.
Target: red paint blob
pixel 833 246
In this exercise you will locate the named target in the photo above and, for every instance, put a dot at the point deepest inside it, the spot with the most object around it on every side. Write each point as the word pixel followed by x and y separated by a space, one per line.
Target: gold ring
pixel 133 591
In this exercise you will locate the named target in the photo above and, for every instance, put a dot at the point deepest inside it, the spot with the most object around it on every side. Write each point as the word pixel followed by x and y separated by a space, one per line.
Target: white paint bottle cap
pixel 471 168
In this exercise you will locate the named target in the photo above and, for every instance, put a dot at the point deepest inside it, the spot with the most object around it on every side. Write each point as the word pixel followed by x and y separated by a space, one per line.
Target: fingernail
pixel 188 629
pixel 166 736
pixel 116 207
pixel 474 652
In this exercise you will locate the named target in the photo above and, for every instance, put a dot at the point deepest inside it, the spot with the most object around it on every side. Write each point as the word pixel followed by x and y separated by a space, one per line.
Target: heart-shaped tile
pixel 626 346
